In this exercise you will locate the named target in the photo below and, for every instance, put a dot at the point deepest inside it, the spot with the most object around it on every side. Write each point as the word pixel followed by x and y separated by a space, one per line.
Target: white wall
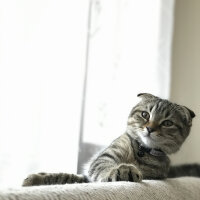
pixel 185 86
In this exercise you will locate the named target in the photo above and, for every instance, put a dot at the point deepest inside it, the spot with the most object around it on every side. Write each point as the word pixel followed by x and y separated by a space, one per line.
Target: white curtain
pixel 42 62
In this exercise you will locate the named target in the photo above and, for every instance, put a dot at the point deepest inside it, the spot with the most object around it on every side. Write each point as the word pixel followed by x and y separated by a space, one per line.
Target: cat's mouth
pixel 149 140
pixel 147 134
pixel 153 136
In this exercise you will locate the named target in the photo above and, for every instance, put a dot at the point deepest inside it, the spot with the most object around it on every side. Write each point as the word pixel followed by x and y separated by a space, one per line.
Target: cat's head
pixel 159 123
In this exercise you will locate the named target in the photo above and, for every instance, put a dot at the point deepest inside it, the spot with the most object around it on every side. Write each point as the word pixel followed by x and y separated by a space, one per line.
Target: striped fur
pixel 53 178
pixel 184 170
pixel 154 124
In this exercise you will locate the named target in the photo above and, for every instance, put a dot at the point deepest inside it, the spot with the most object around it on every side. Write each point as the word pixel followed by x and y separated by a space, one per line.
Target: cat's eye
pixel 145 115
pixel 167 123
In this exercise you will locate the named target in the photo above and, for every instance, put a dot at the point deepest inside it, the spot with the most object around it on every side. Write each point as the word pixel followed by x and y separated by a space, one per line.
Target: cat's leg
pixel 53 179
pixel 105 169
pixel 116 163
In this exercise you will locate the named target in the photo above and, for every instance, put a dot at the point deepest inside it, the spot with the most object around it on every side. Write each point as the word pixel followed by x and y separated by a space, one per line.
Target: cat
pixel 156 128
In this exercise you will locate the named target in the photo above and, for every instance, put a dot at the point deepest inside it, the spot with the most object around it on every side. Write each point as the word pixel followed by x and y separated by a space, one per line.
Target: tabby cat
pixel 156 128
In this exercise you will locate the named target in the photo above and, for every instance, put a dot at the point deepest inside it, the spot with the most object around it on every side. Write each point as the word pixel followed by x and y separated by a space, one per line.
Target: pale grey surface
pixel 187 188
pixel 185 84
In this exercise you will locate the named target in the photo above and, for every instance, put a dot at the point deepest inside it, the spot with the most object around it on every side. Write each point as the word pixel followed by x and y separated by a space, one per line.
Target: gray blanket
pixel 173 189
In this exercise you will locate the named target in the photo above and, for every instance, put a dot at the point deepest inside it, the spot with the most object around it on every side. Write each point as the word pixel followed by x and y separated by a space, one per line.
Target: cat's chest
pixel 152 166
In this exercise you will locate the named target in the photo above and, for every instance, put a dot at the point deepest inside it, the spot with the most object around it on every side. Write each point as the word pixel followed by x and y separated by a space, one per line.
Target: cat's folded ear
pixel 191 113
pixel 146 96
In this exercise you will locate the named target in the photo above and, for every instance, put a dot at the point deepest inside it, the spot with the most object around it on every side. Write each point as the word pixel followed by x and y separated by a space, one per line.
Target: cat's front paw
pixel 34 179
pixel 123 172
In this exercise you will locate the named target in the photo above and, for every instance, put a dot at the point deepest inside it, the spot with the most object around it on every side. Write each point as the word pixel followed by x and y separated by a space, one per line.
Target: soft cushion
pixel 174 189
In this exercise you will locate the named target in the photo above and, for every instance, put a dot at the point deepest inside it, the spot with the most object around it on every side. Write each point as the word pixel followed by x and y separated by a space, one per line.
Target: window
pixel 129 53
pixel 47 50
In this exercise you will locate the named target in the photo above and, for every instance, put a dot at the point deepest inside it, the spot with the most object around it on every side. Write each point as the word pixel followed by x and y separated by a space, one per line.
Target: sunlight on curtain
pixel 130 43
pixel 42 58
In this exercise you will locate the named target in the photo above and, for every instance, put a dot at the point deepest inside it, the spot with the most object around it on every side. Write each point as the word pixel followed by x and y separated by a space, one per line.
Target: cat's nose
pixel 150 129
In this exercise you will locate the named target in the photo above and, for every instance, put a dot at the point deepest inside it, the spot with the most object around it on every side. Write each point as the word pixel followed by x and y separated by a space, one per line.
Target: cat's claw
pixel 123 172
